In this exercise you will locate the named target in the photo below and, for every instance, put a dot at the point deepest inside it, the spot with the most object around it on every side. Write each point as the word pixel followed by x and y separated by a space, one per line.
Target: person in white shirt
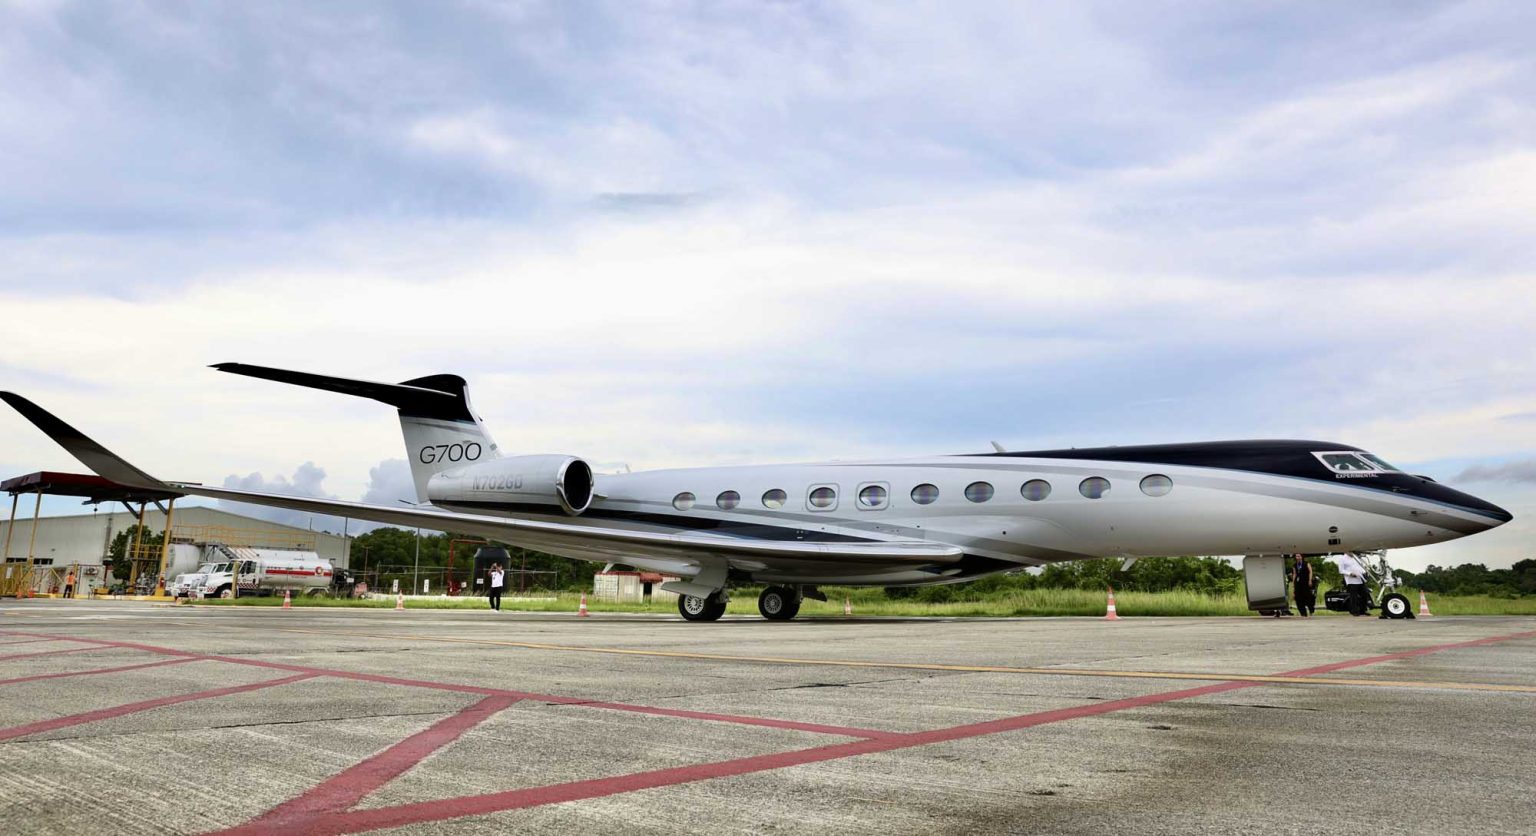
pixel 498 580
pixel 1354 582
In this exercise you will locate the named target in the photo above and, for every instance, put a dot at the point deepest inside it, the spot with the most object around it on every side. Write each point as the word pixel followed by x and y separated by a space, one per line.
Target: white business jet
pixel 908 522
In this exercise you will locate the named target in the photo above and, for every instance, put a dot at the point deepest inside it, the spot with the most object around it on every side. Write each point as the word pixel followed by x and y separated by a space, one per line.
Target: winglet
pixel 104 462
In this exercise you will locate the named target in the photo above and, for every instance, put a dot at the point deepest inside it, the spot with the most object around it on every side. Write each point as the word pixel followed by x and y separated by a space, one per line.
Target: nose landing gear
pixel 1384 584
pixel 1395 605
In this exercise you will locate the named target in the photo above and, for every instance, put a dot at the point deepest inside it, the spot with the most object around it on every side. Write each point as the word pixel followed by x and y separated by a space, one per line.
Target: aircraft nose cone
pixel 1492 515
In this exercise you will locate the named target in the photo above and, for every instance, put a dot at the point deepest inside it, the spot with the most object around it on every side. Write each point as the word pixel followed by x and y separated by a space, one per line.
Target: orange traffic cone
pixel 400 601
pixel 581 611
pixel 287 599
pixel 1423 605
pixel 1110 615
pixel 847 605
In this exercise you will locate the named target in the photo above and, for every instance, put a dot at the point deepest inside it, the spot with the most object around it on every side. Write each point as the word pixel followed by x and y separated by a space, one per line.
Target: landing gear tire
pixel 1396 606
pixel 693 608
pixel 778 603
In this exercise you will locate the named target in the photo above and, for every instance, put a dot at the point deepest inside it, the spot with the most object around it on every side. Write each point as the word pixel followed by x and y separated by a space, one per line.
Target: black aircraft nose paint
pixel 1437 492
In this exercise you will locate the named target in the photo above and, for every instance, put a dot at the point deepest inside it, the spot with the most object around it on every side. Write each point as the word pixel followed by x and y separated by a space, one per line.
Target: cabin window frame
pixel 812 489
pixel 885 499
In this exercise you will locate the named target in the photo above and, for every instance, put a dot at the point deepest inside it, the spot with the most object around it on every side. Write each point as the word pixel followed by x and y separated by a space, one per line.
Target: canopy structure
pixel 94 488
pixel 143 558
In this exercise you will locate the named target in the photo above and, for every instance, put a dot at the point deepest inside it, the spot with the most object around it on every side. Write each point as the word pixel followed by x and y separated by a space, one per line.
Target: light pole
pixel 416 570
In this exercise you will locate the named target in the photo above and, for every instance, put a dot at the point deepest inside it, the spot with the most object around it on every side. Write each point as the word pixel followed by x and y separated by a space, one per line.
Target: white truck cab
pixel 188 584
pixel 268 572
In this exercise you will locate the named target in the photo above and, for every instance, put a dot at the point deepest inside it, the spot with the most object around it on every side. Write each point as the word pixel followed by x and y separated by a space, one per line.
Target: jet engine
pixel 535 484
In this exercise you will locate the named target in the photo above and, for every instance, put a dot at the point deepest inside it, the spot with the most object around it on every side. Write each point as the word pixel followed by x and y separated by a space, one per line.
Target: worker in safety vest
pixel 69 584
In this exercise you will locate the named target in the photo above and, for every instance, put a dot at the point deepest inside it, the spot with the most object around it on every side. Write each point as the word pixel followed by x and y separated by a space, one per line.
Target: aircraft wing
pixel 686 553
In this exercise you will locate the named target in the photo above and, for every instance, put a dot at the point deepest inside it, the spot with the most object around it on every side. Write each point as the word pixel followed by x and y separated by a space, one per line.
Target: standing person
pixel 1354 582
pixel 1304 586
pixel 69 584
pixel 498 578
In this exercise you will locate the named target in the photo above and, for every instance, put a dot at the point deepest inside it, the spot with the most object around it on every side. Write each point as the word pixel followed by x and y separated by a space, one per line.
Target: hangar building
pixel 83 539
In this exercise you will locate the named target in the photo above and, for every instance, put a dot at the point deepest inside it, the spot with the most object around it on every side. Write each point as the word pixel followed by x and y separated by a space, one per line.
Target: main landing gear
pixel 779 603
pixel 776 603
pixel 694 608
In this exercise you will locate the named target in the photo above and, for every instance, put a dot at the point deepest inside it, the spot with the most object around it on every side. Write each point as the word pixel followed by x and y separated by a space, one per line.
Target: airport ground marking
pixel 1273 679
pixel 349 787
pixel 552 699
pixel 157 664
pixel 355 821
pixel 145 705
pixel 43 653
pixel 347 821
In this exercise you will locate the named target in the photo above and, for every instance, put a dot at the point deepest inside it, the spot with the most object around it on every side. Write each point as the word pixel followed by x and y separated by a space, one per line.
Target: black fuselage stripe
pixel 733 528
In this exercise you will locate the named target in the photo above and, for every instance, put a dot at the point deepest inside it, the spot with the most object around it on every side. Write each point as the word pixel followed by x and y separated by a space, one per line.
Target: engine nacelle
pixel 527 483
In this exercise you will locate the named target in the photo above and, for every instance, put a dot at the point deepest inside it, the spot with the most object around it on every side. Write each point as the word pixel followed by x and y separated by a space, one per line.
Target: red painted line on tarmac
pixel 1406 654
pixel 44 653
pixel 477 805
pixel 522 695
pixel 159 664
pixel 474 805
pixel 769 722
pixel 347 788
pixel 135 707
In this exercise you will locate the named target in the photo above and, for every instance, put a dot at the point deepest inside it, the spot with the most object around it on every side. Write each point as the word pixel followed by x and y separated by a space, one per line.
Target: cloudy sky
pixel 666 234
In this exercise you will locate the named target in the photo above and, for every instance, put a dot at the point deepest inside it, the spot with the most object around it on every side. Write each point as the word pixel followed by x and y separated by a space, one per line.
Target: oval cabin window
pixel 872 496
pixel 1156 485
pixel 1094 487
pixel 823 498
pixel 978 491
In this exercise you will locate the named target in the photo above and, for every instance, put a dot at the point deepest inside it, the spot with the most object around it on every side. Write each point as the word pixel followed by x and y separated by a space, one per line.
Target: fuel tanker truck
pixel 268 572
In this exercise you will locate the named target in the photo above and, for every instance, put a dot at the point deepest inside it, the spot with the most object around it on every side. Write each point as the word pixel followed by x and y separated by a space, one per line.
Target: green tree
pixel 150 543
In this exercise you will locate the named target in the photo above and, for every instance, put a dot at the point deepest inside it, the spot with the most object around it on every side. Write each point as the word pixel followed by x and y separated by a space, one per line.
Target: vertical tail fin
pixel 441 430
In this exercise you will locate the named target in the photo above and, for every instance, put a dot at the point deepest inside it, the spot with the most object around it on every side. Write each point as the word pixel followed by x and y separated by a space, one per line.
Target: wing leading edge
pixel 685 552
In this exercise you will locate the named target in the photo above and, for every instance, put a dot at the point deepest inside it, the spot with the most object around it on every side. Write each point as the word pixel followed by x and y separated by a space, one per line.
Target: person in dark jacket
pixel 1304 586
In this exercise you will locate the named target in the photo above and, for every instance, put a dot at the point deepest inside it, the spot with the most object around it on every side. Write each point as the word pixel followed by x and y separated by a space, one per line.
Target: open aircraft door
pixel 1264 578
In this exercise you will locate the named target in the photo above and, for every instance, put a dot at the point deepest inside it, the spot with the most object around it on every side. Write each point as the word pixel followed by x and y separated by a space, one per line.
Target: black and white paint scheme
pixel 927 520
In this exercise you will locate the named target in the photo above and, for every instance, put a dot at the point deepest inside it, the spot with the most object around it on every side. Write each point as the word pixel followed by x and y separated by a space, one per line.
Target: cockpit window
pixel 1346 462
pixel 1379 462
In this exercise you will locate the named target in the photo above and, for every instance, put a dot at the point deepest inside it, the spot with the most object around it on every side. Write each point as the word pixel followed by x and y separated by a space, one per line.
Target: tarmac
pixel 130 717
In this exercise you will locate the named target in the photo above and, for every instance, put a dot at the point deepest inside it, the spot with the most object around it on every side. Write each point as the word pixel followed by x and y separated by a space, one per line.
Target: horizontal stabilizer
pixel 438 396
pixel 99 459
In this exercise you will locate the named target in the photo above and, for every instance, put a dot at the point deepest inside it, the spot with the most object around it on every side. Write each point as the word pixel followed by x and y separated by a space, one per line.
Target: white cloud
pixel 866 231
pixel 307 480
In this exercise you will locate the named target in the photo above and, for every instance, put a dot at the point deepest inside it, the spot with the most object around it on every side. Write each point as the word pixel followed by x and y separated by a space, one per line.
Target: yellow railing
pixel 251 538
pixel 15 577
